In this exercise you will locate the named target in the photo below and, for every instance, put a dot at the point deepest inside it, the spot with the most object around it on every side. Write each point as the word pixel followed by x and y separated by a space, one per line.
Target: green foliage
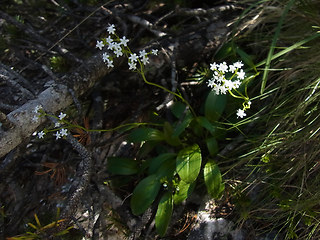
pixel 183 191
pixel 144 194
pixel 122 166
pixel 214 106
pixel 40 231
pixel 145 134
pixel 189 163
pixel 213 179
pixel 164 213
pixel 59 64
pixel 171 160
pixel 174 152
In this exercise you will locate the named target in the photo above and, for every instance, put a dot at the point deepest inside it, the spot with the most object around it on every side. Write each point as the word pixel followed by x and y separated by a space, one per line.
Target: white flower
pixel 132 65
pixel 133 57
pixel 142 54
pixel 62 115
pixel 241 74
pixel 211 83
pixel 112 45
pixel 35 118
pixel 105 57
pixel 58 135
pixel 145 60
pixel 41 134
pixel 223 67
pixel 241 113
pixel 213 66
pixel 232 68
pixel 111 29
pixel 154 51
pixel 109 40
pixel 99 45
pixel 238 64
pixel 229 84
pixel 37 108
pixel 237 83
pixel 219 89
pixel 110 63
pixel 124 41
pixel 63 132
pixel 118 52
pixel 57 124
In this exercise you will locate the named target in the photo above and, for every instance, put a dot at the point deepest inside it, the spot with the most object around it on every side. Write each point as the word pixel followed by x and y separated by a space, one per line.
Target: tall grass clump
pixel 276 179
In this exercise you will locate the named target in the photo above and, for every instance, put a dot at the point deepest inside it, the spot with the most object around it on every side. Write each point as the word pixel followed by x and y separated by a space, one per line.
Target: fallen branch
pixel 53 99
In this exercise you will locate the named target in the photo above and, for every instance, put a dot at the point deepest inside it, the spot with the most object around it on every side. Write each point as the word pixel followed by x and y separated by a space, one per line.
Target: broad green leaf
pixel 189 163
pixel 178 109
pixel 164 212
pixel 196 128
pixel 212 146
pixel 213 179
pixel 181 126
pixel 159 160
pixel 168 135
pixel 122 166
pixel 204 122
pixel 145 134
pixel 214 106
pixel 166 170
pixel 183 191
pixel 144 194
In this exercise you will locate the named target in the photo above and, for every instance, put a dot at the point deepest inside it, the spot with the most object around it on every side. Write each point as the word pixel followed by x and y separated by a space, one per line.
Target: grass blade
pixel 273 45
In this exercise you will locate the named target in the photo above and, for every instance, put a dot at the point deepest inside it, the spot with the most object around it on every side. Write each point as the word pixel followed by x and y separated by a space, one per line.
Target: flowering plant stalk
pixel 189 143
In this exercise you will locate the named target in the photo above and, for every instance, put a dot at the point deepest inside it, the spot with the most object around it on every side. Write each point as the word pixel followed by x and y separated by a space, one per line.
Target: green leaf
pixel 166 170
pixel 181 126
pixel 168 135
pixel 214 106
pixel 225 51
pixel 212 146
pixel 159 160
pixel 144 194
pixel 164 212
pixel 146 148
pixel 188 163
pixel 122 166
pixel 178 109
pixel 183 191
pixel 145 134
pixel 204 122
pixel 213 179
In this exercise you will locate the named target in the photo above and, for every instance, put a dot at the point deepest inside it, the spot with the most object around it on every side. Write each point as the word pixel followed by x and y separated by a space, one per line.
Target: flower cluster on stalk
pixel 119 47
pixel 219 83
pixel 226 78
pixel 59 131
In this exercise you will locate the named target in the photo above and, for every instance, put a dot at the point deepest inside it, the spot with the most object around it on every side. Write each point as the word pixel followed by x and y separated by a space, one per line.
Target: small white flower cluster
pixel 37 110
pixel 59 133
pixel 119 46
pixel 219 83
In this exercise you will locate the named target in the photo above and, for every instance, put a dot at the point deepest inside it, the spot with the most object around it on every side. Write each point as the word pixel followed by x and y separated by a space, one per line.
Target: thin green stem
pixel 165 89
pixel 70 125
